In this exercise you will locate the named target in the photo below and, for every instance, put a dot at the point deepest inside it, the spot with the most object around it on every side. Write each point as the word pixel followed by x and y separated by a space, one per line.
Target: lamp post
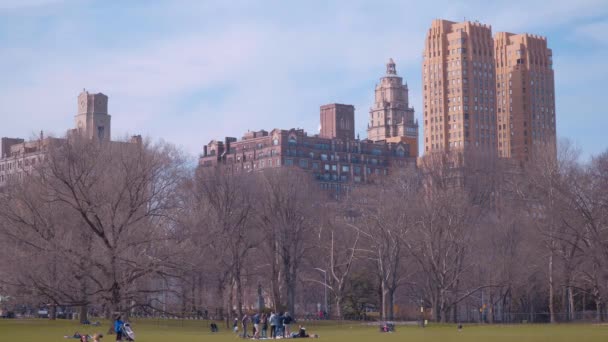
pixel 325 286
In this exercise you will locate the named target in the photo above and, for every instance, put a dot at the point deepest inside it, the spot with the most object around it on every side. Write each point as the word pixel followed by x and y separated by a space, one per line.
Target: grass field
pixel 195 331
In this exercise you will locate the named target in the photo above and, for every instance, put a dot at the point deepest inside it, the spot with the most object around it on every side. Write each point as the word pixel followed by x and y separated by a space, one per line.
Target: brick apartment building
pixel 494 95
pixel 334 157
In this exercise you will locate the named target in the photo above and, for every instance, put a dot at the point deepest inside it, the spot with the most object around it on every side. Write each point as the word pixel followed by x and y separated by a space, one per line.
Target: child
pixel 118 328
pixel 235 325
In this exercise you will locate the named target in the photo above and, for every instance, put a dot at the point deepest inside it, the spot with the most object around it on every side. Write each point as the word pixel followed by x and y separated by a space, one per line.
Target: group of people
pixel 279 324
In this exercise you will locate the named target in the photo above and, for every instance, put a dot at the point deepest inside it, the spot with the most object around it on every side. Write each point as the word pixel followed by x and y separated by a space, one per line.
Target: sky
pixel 190 71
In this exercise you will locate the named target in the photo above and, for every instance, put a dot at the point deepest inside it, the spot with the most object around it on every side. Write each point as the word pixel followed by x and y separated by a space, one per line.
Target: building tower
pixel 92 120
pixel 459 87
pixel 338 121
pixel 391 119
pixel 525 95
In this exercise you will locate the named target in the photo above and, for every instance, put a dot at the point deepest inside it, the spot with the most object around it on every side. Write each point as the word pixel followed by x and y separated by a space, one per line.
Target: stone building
pixel 391 119
pixel 335 158
pixel 92 121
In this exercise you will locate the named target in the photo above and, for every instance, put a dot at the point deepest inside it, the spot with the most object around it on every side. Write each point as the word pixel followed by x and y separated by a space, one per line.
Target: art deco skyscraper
pixel 525 94
pixel 391 119
pixel 459 87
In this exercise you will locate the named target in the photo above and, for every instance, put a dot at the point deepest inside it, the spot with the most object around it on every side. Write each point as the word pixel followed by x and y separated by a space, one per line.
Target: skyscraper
pixel 458 86
pixel 391 119
pixel 525 94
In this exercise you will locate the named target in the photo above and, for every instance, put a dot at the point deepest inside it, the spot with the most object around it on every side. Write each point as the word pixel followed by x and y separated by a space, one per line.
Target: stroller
pixel 128 332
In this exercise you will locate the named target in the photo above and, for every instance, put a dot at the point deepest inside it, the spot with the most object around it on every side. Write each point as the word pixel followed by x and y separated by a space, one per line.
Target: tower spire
pixel 390 67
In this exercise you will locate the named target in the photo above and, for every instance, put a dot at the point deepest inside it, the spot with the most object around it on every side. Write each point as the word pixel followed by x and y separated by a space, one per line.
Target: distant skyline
pixel 191 71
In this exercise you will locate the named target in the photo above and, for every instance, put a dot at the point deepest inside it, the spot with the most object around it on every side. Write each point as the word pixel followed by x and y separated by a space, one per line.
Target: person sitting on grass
pixel 79 336
pixel 302 334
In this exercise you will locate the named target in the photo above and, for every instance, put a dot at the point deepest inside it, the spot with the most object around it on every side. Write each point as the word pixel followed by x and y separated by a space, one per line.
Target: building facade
pixel 495 95
pixel 335 160
pixel 391 119
pixel 525 94
pixel 92 121
pixel 459 87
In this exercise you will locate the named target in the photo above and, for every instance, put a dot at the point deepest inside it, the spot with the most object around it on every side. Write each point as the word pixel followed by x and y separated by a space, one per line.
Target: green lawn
pixel 192 331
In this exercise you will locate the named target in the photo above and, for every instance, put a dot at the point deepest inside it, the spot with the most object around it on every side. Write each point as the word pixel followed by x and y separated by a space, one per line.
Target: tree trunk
pixel 84 310
pixel 83 313
pixel 230 313
pixel 436 307
pixel 291 295
pixel 339 307
pixel 239 291
pixel 551 289
pixel 571 304
pixel 384 300
pixel 290 283
pixel 53 312
pixel 275 280
pixel 391 304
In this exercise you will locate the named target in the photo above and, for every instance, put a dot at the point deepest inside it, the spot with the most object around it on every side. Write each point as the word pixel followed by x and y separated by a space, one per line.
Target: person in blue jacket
pixel 118 328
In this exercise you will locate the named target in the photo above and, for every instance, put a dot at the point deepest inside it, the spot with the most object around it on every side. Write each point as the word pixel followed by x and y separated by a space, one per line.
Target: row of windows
pixel 305 163
pixel 11 176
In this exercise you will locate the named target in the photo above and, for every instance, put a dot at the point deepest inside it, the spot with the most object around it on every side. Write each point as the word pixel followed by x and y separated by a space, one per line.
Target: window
pixel 326 167
pixel 345 168
pixel 100 132
pixel 289 162
pixel 315 165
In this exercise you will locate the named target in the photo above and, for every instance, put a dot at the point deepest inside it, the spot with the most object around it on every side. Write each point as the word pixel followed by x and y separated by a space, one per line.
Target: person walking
pixel 264 323
pixel 281 324
pixel 273 325
pixel 244 322
pixel 235 325
pixel 256 325
pixel 118 323
pixel 287 320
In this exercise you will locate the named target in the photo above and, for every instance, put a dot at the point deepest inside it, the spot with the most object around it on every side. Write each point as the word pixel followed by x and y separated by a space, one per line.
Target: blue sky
pixel 192 71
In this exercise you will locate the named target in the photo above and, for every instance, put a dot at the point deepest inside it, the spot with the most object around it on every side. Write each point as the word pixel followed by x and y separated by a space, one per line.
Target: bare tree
pixel 288 207
pixel 385 224
pixel 338 246
pixel 102 208
pixel 229 198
